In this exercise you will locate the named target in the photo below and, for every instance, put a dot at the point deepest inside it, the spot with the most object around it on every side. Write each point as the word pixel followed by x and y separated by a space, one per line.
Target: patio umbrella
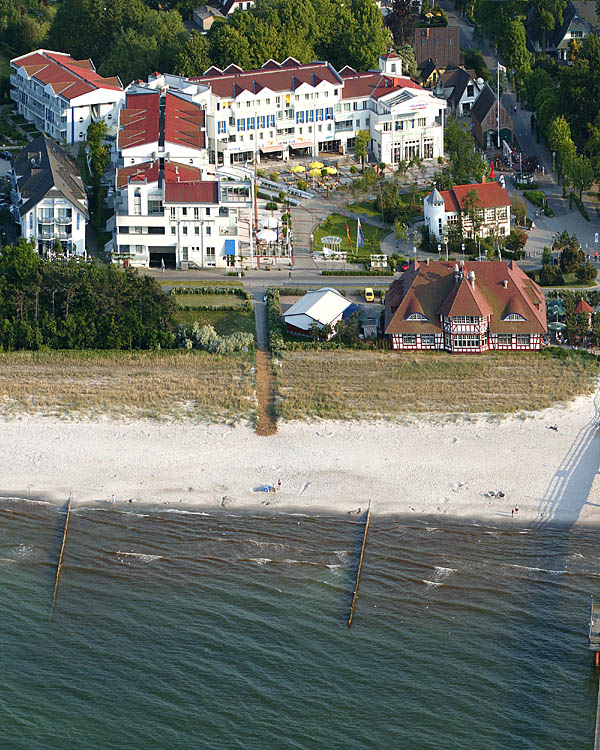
pixel 315 172
pixel 556 326
pixel 331 170
pixel 267 235
pixel 298 168
pixel 316 165
pixel 269 222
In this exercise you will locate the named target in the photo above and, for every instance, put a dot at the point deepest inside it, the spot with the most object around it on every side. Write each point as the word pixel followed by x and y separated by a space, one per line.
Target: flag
pixel 348 235
pixel 501 68
pixel 360 238
pixel 492 171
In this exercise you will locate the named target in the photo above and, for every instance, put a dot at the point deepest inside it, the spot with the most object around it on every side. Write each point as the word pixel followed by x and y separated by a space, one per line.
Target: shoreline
pixel 420 468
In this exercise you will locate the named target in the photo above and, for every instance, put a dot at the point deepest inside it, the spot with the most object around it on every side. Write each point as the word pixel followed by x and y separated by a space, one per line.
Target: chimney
pixel 505 284
pixel 456 273
pixel 427 261
pixel 472 277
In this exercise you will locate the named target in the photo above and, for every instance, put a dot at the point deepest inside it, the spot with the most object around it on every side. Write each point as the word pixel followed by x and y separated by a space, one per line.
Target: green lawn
pixel 204 300
pixel 367 208
pixel 335 224
pixel 224 321
pixel 570 281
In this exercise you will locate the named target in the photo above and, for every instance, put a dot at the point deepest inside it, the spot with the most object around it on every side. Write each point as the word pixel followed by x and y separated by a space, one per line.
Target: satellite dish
pixel 480 81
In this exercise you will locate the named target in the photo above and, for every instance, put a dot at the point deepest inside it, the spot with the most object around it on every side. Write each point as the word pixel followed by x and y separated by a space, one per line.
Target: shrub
pixel 302 185
pixel 271 206
pixel 207 339
pixel 274 176
pixel 353 169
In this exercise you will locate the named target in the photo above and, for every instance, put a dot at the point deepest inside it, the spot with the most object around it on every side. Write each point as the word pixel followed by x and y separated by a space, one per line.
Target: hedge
pixel 234 290
pixel 378 272
pixel 245 308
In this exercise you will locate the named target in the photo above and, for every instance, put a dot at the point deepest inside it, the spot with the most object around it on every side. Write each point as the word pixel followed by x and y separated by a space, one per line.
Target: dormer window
pixel 416 316
pixel 514 316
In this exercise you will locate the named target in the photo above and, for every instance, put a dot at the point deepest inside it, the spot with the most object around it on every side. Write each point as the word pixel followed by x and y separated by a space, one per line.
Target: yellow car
pixel 369 295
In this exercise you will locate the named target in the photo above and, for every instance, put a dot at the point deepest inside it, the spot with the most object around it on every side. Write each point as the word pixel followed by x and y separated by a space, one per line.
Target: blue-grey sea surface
pixel 204 629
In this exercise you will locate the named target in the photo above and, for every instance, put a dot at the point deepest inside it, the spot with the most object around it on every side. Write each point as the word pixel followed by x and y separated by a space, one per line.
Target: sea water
pixel 206 629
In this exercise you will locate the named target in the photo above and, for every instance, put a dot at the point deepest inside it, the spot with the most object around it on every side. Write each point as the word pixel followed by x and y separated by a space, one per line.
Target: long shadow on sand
pixel 572 481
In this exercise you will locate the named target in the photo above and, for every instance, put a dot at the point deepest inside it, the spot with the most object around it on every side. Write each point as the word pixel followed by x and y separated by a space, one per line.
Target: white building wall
pixel 48 221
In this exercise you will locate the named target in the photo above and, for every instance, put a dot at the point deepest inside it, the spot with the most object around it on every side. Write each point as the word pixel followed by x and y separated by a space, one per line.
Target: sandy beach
pixel 421 466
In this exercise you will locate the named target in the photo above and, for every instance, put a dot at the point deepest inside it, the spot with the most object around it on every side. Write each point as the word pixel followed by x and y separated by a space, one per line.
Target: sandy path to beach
pixel 422 467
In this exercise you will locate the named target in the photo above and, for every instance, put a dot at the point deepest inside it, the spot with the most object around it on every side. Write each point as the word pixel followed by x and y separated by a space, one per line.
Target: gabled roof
pixel 583 307
pixel 184 122
pixel 441 44
pixel 375 85
pixel 490 194
pixel 289 76
pixel 139 120
pixel 457 79
pixel 482 106
pixel 426 68
pixel 439 291
pixel 44 168
pixel 148 172
pixel 68 77
pixel 322 306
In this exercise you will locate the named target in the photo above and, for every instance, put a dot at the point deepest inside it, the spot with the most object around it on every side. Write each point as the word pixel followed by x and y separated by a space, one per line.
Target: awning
pixel 229 247
pixel 270 149
pixel 300 145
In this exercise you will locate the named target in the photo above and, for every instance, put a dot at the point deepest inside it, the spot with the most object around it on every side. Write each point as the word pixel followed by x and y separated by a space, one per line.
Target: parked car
pixel 404 266
pixel 5 155
pixel 369 295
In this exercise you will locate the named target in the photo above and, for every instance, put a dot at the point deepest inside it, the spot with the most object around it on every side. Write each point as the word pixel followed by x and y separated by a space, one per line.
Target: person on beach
pixel 278 483
pixel 512 512
pixel 113 499
pixel 516 508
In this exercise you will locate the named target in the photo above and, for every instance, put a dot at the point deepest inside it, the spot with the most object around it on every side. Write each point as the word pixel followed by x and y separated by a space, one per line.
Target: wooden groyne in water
pixel 60 557
pixel 360 562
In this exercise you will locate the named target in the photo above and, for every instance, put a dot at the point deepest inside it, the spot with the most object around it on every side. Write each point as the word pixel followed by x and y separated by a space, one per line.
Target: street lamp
pixel 463 251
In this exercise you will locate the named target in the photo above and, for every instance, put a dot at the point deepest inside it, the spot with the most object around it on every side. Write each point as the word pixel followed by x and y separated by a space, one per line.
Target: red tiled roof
pixel 145 172
pixel 287 77
pixel 184 122
pixel 139 120
pixel 68 77
pixel 148 172
pixel 500 289
pixel 375 85
pixel 490 194
pixel 583 307
pixel 441 44
pixel 192 192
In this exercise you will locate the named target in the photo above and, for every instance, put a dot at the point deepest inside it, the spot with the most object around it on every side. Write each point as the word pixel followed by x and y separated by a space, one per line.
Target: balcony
pixel 63 219
pixel 228 231
pixel 14 95
pixel 340 127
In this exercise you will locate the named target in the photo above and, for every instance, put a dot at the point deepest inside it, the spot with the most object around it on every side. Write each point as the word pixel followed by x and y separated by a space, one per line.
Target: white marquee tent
pixel 322 306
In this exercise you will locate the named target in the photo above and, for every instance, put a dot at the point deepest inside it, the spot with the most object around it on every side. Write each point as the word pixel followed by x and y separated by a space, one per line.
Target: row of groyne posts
pixel 356 580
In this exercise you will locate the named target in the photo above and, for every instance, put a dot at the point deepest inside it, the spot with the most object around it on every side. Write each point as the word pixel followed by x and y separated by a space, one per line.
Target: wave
pixel 261 560
pixel 533 569
pixel 441 572
pixel 141 556
pixel 183 512
pixel 341 554
pixel 431 584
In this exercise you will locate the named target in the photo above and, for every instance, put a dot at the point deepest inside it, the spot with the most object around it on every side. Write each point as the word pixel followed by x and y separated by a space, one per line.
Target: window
pixel 514 316
pixel 172 212
pixel 416 316
pixel 522 339
pixel 408 339
pixel 173 230
pixel 470 89
pixel 428 339
pixel 208 231
pixel 196 212
pixel 577 34
pixel 207 211
pixel 222 126
pixel 184 211
pixel 393 67
pixel 466 341
pixel 504 339
pixel 464 319
pixel 185 254
pixel 210 252
pixel 422 122
pixel 184 229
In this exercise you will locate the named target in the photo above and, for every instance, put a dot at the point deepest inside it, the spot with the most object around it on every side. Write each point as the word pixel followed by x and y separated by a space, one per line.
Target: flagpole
pixel 498 95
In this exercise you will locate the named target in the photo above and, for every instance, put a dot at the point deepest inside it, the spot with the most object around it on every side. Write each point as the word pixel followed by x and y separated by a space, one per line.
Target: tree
pixel 586 272
pixel 226 45
pixel 519 209
pixel 471 209
pixel 99 151
pixel 558 133
pixel 551 276
pixel 514 44
pixel 401 22
pixel 549 12
pixel 580 173
pixel 361 145
pixel 546 256
pixel 409 61
pixel 571 254
pixel 315 330
pixel 466 165
pixel 193 58
pixel 366 38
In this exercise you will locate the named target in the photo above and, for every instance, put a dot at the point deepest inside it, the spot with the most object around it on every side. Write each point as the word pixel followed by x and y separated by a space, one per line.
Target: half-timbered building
pixel 469 308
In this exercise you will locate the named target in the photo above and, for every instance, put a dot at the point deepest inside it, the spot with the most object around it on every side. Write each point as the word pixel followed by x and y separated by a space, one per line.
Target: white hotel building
pixel 288 109
pixel 168 209
pixel 62 96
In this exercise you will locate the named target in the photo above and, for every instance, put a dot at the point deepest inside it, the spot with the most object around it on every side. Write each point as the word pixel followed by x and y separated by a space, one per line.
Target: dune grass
pixel 205 300
pixel 156 385
pixel 224 322
pixel 375 384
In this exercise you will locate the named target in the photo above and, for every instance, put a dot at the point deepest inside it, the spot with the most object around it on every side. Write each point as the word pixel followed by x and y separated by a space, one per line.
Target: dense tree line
pixel 78 305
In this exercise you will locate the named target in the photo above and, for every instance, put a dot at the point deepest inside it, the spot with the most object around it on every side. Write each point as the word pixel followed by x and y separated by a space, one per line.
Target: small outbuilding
pixel 323 306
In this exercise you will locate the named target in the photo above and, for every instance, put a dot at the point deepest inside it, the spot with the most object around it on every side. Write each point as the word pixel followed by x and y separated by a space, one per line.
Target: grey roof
pixel 457 78
pixel 579 14
pixel 435 198
pixel 44 169
pixel 485 100
pixel 426 68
